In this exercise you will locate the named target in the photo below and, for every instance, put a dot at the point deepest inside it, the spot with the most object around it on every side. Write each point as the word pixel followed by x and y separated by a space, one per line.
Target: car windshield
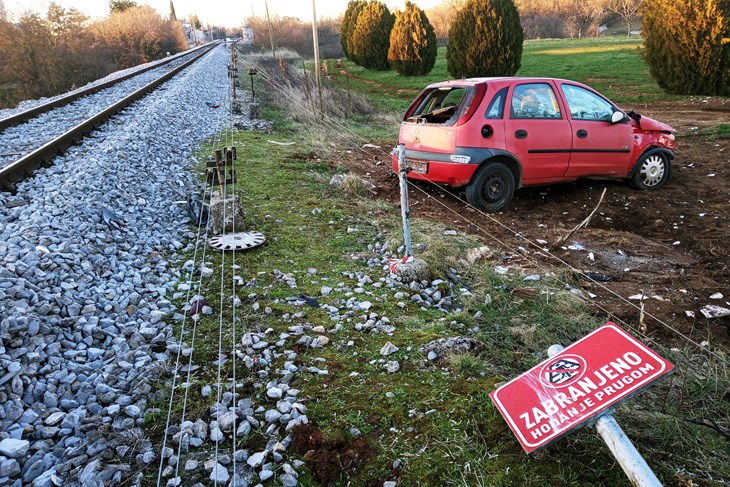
pixel 444 105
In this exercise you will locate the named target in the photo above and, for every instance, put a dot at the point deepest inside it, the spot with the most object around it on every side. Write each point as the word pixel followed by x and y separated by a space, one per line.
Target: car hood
pixel 645 123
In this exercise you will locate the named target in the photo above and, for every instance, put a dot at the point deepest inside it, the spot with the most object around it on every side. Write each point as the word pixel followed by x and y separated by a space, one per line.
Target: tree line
pixel 686 42
pixel 44 55
pixel 296 35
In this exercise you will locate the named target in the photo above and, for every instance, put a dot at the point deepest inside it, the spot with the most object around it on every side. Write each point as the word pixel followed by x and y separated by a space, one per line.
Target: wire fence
pixel 177 424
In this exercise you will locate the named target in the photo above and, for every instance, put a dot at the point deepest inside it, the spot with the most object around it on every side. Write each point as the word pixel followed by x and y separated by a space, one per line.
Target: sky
pixel 227 13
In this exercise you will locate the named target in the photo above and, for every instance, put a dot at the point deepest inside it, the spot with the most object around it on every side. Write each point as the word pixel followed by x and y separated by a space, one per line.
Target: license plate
pixel 421 167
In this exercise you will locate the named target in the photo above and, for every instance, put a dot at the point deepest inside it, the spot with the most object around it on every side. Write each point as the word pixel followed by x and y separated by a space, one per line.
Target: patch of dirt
pixel 672 245
pixel 329 459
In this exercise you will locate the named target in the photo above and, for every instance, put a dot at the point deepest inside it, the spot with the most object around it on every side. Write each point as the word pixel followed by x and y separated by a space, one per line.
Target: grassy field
pixel 430 423
pixel 612 65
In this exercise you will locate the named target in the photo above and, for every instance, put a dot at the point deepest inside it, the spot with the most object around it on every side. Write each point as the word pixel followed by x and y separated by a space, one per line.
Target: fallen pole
pixel 626 454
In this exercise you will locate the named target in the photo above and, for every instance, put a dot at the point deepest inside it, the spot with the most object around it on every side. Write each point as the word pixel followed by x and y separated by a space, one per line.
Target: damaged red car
pixel 496 135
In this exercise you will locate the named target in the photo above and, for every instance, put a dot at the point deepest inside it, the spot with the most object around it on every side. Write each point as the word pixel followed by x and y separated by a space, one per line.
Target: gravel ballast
pixel 83 305
pixel 21 139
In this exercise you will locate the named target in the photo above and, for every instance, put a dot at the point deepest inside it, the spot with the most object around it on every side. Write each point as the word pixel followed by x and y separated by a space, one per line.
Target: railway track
pixel 34 137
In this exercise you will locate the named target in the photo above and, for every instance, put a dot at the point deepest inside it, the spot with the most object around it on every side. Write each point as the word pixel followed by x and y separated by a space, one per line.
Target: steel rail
pixel 26 115
pixel 26 164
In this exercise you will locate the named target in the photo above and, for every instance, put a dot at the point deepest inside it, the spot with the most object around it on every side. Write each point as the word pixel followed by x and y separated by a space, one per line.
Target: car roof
pixel 507 79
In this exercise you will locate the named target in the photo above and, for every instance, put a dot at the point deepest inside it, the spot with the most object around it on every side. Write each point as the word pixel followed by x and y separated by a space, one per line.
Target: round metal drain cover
pixel 237 241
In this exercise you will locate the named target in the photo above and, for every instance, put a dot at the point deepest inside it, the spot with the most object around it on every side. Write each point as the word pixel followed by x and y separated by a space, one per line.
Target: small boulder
pixel 415 270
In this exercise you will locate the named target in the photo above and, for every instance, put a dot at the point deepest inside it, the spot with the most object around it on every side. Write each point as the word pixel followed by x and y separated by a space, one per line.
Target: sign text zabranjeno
pixel 585 379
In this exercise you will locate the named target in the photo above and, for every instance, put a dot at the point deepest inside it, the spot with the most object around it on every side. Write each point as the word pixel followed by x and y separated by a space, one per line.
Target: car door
pixel 600 147
pixel 538 133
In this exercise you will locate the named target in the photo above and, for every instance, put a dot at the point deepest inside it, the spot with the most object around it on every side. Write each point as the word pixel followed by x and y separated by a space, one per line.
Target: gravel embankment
pixel 83 306
pixel 21 139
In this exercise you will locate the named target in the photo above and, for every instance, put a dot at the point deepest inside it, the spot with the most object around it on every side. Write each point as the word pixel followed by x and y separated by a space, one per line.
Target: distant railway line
pixel 33 137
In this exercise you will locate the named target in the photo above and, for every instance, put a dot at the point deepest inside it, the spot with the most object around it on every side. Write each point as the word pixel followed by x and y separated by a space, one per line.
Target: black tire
pixel 652 171
pixel 491 188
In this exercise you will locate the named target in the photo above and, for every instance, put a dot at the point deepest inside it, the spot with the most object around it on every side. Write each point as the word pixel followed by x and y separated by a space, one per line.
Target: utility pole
pixel 271 30
pixel 315 37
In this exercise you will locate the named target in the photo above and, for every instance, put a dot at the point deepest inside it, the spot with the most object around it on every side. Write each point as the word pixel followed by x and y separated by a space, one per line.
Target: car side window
pixel 534 100
pixel 586 105
pixel 496 106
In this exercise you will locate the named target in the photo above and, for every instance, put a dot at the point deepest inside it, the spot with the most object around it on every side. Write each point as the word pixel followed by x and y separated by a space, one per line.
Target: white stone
pixel 274 393
pixel 388 349
pixel 257 459
pixel 219 475
pixel 12 448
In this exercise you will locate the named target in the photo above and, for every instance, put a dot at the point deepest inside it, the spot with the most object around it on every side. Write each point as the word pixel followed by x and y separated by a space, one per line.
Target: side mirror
pixel 618 116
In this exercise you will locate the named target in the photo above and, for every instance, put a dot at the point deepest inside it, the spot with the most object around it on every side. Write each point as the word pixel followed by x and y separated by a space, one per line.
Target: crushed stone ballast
pixel 82 302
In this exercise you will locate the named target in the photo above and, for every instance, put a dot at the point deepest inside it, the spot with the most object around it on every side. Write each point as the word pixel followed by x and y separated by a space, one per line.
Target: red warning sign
pixel 586 378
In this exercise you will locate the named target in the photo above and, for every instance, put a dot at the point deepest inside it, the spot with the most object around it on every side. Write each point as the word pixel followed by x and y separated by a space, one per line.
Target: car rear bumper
pixel 453 169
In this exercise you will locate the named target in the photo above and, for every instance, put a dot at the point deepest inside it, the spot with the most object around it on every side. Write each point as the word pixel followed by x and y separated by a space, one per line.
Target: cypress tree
pixel 345 25
pixel 412 42
pixel 371 37
pixel 687 45
pixel 485 39
pixel 346 32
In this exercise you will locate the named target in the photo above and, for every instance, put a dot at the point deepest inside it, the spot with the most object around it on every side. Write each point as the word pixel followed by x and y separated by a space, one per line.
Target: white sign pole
pixel 626 454
pixel 405 210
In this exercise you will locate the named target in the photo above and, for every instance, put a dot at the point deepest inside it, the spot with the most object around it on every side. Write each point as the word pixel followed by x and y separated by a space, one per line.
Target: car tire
pixel 491 188
pixel 652 171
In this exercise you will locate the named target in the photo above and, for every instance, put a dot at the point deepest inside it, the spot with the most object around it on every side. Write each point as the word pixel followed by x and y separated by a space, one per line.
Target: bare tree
pixel 626 10
pixel 442 16
pixel 138 35
pixel 582 16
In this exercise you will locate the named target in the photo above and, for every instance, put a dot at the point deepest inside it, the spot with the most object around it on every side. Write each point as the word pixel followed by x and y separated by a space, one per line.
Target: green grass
pixel 436 418
pixel 722 131
pixel 612 65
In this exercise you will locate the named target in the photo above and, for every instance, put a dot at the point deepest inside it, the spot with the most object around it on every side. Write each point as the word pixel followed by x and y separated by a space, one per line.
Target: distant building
pixel 195 37
pixel 246 35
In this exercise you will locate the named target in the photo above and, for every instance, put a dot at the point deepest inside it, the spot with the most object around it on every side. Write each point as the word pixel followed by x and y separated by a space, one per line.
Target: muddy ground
pixel 671 245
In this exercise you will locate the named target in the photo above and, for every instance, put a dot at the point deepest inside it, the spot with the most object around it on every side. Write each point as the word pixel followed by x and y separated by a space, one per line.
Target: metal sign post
pixel 405 210
pixel 582 385
pixel 626 454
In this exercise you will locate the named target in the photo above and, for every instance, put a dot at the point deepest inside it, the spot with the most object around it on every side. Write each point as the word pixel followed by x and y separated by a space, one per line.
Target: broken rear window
pixel 444 105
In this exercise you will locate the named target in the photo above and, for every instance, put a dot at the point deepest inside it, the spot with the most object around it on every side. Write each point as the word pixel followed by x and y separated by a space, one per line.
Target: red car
pixel 495 135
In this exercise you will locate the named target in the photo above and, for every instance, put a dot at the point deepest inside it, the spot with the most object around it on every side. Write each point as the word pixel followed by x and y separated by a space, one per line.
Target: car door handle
pixel 582 134
pixel 521 134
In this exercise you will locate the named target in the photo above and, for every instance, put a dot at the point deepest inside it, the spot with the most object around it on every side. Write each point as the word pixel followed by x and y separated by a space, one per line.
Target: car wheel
pixel 652 172
pixel 491 188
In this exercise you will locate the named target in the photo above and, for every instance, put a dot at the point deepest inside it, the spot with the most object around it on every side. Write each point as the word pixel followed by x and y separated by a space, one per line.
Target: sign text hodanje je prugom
pixel 575 386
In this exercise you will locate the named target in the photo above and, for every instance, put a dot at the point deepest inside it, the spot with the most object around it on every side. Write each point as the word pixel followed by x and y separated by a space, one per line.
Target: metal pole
pixel 233 70
pixel 626 454
pixel 315 38
pixel 271 30
pixel 404 208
